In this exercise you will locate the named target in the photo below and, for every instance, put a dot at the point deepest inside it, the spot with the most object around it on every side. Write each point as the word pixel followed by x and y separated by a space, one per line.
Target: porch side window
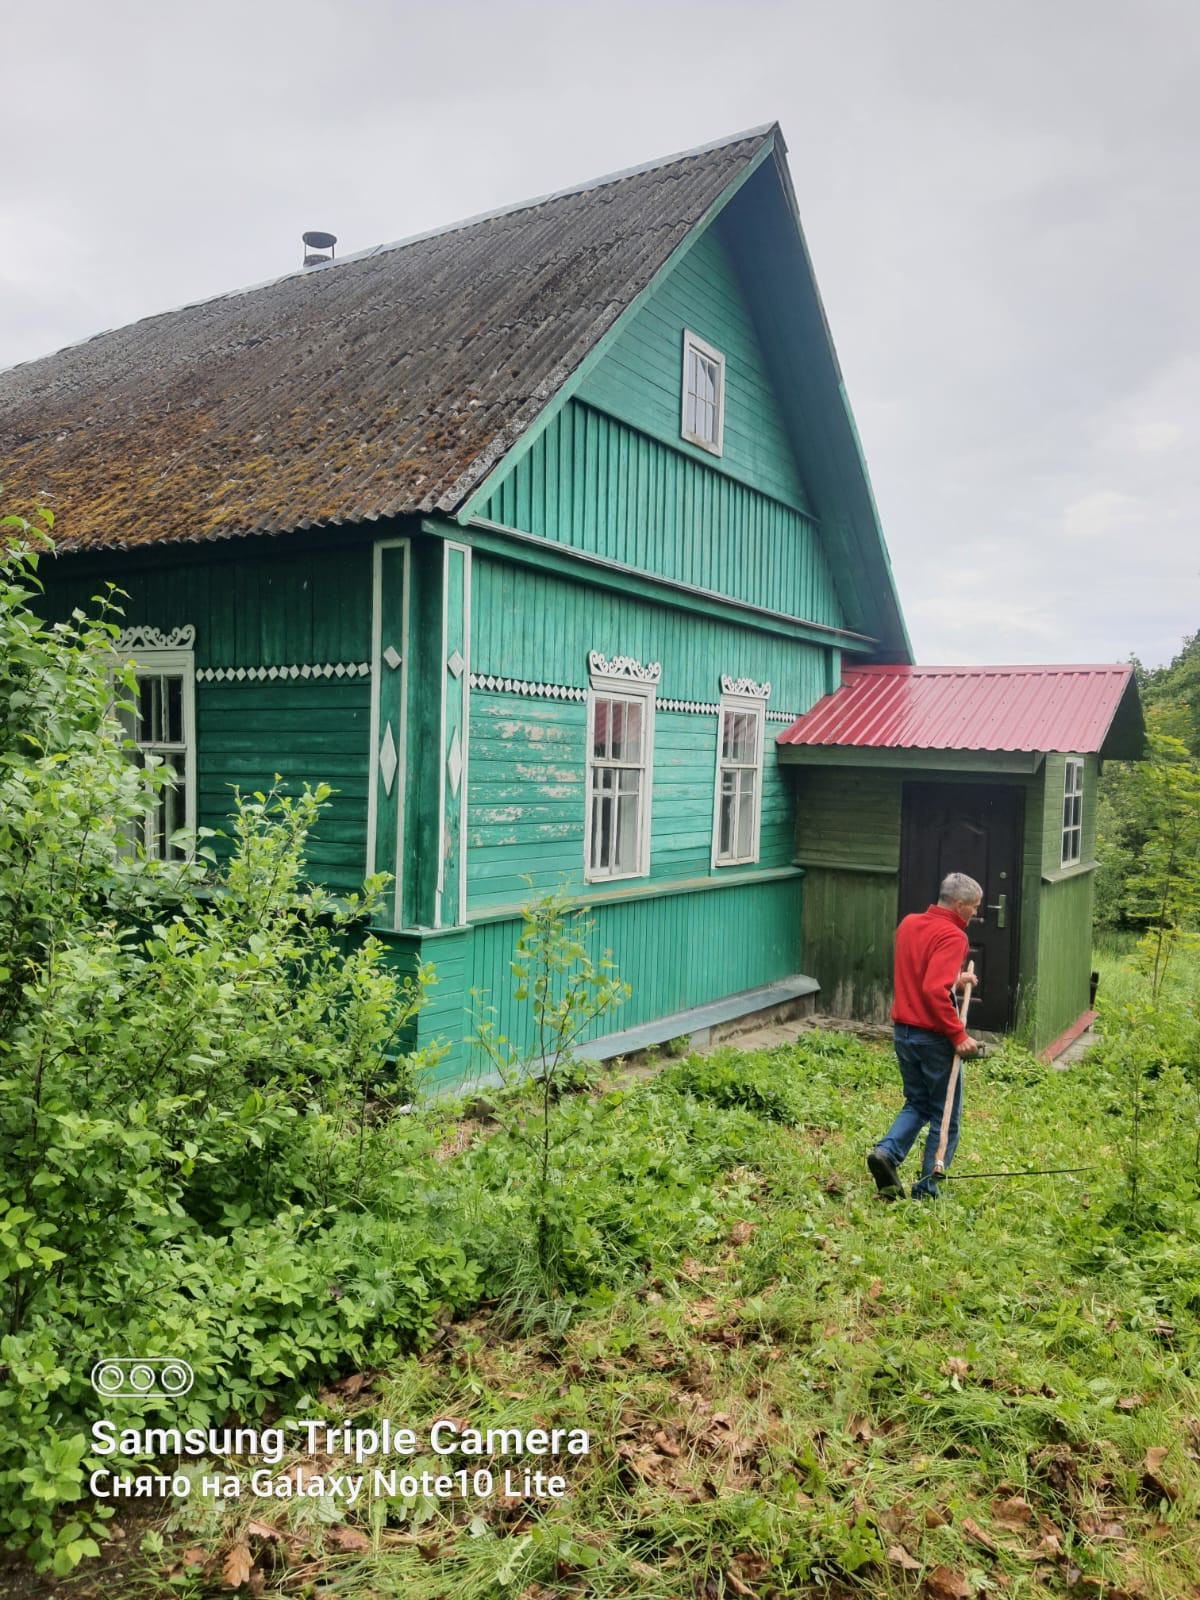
pixel 1072 824
pixel 703 414
pixel 620 733
pixel 738 804
pixel 161 731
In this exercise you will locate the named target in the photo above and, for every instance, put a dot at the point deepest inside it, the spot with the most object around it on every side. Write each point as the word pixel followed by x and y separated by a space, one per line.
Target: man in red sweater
pixel 931 949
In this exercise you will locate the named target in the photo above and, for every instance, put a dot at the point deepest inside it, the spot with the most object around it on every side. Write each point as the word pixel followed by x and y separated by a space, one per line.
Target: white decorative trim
pixel 623 667
pixel 699 707
pixel 323 669
pixel 144 637
pixel 745 686
pixel 388 760
pixel 547 691
pixel 781 716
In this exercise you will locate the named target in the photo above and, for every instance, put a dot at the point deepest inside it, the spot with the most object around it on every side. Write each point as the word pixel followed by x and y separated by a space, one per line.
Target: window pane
pixel 601 729
pixel 745 827
pixel 689 414
pixel 173 730
pixel 725 821
pixel 627 735
pixel 627 823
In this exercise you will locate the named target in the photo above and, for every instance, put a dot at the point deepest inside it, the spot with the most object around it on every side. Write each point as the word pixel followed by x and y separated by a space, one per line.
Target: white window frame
pixel 693 342
pixel 757 706
pixel 629 691
pixel 181 663
pixel 1071 853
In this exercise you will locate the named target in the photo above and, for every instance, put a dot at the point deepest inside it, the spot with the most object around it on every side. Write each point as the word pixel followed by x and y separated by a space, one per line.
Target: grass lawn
pixel 994 1394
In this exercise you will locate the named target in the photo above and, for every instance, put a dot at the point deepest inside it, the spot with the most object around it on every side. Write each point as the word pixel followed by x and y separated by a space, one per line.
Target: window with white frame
pixel 1072 825
pixel 702 419
pixel 739 780
pixel 620 735
pixel 159 726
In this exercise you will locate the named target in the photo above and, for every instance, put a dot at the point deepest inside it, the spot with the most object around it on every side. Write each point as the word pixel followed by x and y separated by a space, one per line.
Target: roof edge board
pixel 502 464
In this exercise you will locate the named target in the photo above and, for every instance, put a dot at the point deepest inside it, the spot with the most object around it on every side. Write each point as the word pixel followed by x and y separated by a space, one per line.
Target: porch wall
pixel 848 842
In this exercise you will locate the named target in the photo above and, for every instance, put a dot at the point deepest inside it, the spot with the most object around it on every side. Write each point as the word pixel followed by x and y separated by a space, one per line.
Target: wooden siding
pixel 674 950
pixel 848 823
pixel 526 800
pixel 526 794
pixel 270 609
pixel 598 485
pixel 640 379
pixel 1064 955
pixel 528 625
pixel 1052 816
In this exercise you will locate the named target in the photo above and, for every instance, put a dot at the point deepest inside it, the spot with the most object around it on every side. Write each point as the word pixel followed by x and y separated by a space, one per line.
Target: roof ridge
pixel 417 238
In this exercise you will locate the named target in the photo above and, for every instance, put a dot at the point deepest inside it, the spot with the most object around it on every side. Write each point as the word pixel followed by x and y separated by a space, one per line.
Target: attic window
pixel 702 419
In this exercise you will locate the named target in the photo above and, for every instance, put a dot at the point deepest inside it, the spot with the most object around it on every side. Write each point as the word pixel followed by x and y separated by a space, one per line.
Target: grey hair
pixel 957 886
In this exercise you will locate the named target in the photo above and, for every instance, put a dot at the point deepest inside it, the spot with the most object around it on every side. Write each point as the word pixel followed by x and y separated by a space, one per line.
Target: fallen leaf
pixel 262 1530
pixel 859 1429
pixel 195 1556
pixel 956 1367
pixel 1130 1402
pixel 235 1569
pixel 935 1518
pixel 874 1289
pixel 343 1538
pixel 740 1232
pixel 1151 1480
pixel 738 1587
pixel 942 1584
pixel 666 1442
pixel 1013 1515
pixel 973 1531
pixel 900 1557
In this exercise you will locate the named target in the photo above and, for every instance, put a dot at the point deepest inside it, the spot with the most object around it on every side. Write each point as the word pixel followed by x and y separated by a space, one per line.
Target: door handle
pixel 1000 908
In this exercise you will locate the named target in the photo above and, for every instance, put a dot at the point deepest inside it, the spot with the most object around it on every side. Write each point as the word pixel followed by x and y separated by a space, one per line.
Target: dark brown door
pixel 976 829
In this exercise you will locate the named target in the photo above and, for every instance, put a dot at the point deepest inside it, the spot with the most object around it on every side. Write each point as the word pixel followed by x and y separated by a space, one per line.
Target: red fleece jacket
pixel 931 948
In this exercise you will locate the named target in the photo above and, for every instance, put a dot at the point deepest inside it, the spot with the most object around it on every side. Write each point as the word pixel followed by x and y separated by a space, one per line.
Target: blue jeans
pixel 925 1060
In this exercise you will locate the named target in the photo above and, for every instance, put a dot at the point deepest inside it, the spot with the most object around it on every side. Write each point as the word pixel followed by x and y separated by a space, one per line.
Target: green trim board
pixel 649 889
pixel 973 761
pixel 581 566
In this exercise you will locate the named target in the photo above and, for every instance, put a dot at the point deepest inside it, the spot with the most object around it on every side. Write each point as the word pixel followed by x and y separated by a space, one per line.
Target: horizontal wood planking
pixel 596 484
pixel 526 802
pixel 312 733
pixel 640 379
pixel 848 816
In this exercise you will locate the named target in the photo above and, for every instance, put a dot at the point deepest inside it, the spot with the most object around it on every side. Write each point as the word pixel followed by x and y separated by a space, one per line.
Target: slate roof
pixel 1036 708
pixel 387 382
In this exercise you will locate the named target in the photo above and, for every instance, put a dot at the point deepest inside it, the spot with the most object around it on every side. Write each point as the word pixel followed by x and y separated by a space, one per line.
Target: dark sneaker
pixel 883 1169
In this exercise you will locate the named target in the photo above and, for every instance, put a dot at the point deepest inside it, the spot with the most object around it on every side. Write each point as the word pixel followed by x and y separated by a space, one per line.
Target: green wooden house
pixel 531 536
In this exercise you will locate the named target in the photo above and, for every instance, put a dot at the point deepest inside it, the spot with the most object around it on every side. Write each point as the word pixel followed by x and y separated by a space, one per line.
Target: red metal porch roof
pixel 1032 708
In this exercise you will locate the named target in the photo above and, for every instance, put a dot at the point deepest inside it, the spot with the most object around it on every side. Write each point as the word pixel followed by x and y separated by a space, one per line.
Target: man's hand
pixel 966 980
pixel 970 1047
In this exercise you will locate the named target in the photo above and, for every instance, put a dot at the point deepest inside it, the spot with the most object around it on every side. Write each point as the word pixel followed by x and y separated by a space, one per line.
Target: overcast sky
pixel 1000 200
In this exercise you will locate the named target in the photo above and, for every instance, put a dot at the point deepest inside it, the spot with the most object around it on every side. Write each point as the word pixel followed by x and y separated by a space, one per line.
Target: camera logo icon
pixel 141 1377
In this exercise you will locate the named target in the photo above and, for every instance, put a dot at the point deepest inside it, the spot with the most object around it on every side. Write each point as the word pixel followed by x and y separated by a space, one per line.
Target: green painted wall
pixel 597 484
pixel 848 823
pixel 1065 905
pixel 640 378
pixel 1064 954
pixel 308 607
pixel 526 794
